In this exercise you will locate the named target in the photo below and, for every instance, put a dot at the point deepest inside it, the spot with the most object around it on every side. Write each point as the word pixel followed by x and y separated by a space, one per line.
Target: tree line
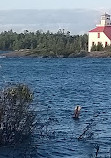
pixel 45 43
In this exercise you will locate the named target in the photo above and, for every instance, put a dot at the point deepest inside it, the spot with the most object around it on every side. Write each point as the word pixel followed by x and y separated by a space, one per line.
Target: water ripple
pixel 60 84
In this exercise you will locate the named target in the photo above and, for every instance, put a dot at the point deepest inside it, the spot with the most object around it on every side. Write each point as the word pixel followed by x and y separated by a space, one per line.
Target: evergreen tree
pixel 59 43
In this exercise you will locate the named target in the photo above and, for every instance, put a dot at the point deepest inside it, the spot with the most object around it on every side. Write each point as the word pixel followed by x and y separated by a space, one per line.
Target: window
pixel 106 44
pixel 98 35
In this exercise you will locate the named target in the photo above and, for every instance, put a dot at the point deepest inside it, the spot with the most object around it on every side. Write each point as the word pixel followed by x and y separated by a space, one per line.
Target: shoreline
pixel 31 53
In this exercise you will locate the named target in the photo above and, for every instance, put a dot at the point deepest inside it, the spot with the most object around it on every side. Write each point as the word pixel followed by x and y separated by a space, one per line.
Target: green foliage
pixel 107 48
pixel 98 47
pixel 94 48
pixel 16 116
pixel 59 43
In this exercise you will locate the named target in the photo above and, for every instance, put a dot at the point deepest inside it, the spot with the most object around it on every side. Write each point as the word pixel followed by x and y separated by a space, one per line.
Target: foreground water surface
pixel 59 85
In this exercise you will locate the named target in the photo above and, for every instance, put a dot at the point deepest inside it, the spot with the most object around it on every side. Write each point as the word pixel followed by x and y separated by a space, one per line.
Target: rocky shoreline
pixel 28 53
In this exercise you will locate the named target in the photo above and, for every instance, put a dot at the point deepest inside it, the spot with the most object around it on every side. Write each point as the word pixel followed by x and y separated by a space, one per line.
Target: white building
pixel 101 34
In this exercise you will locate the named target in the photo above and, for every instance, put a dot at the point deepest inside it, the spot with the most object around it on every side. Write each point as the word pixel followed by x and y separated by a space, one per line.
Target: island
pixel 49 45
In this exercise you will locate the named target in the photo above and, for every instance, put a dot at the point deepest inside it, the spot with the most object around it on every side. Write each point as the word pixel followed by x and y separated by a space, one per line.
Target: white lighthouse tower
pixel 105 20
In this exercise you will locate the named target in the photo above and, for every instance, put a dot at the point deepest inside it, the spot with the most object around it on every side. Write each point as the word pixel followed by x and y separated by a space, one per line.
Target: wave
pixel 3 56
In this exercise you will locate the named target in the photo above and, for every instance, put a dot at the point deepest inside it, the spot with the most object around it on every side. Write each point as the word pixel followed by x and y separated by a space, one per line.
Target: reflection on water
pixel 59 85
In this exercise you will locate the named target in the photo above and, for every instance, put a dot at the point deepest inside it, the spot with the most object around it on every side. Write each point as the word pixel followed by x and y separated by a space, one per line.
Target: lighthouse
pixel 100 34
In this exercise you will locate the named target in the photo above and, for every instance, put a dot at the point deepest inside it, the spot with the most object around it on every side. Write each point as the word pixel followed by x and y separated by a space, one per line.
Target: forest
pixel 59 44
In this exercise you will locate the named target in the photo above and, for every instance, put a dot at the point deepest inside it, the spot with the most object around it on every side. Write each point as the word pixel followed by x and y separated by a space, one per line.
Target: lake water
pixel 59 85
pixel 1 51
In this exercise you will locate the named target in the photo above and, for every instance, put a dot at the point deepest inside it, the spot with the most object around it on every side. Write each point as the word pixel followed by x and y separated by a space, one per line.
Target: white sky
pixel 54 4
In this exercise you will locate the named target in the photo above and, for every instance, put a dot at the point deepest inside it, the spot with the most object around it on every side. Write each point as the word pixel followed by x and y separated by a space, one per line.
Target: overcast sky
pixel 54 4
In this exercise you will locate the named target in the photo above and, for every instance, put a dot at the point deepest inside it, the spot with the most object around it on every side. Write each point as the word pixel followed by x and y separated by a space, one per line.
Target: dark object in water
pixel 97 150
pixel 77 112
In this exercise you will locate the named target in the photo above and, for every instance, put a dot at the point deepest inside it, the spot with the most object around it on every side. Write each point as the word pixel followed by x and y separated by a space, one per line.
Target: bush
pixel 107 48
pixel 98 47
pixel 94 48
pixel 16 117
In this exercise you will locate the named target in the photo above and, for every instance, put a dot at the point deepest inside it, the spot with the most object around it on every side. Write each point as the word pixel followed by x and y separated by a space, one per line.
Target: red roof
pixel 105 29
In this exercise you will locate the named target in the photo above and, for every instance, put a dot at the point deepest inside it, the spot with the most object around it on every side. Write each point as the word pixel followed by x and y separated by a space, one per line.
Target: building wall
pixel 93 37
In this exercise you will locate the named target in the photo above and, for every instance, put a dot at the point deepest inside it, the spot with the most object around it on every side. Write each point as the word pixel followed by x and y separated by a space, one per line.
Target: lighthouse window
pixel 106 44
pixel 98 35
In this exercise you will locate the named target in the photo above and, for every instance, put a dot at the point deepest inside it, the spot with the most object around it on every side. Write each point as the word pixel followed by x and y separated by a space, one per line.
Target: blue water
pixel 2 51
pixel 59 85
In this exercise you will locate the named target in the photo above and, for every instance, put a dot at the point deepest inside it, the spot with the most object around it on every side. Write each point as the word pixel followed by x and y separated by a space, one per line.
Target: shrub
pixel 94 48
pixel 98 47
pixel 16 117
